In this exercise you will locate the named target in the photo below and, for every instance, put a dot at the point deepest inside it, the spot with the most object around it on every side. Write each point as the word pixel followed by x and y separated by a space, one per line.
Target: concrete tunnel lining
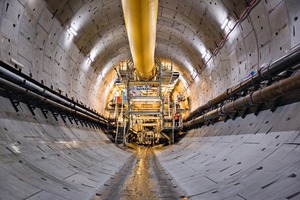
pixel 46 159
pixel 252 158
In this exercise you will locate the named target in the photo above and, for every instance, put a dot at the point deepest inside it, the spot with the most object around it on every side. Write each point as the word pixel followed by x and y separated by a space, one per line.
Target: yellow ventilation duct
pixel 140 20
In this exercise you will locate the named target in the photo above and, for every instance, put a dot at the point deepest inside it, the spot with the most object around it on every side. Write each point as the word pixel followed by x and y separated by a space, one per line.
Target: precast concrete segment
pixel 252 158
pixel 140 20
pixel 47 159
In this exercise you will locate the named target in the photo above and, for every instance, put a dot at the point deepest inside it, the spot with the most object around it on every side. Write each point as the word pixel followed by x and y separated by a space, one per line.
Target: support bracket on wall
pixel 246 111
pixel 258 109
pixel 76 121
pixel 14 102
pixel 63 116
pixel 70 119
pixel 55 115
pixel 45 112
pixel 31 108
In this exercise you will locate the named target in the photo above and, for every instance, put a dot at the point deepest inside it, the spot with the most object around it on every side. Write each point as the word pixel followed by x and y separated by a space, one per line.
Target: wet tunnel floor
pixel 142 177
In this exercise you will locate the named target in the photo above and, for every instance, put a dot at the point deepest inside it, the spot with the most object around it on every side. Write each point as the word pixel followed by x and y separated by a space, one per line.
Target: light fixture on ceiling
pixel 225 23
pixel 206 55
pixel 72 31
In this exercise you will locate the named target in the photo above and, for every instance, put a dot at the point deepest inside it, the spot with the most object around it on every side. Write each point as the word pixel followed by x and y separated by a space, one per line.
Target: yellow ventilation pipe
pixel 140 20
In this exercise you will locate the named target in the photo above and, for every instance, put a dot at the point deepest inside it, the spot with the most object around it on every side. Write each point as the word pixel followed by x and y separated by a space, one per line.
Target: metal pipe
pixel 46 101
pixel 260 96
pixel 29 85
pixel 264 73
pixel 140 20
pixel 19 78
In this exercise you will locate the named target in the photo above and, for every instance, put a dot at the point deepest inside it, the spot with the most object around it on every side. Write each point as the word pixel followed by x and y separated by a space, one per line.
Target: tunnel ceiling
pixel 187 31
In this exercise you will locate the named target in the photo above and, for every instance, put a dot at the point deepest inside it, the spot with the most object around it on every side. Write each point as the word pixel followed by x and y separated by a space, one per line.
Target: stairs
pixel 119 135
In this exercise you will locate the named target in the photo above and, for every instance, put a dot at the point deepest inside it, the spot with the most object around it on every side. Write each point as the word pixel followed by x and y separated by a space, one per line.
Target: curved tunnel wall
pixel 37 37
pixel 252 158
pixel 47 159
pixel 269 32
pixel 39 40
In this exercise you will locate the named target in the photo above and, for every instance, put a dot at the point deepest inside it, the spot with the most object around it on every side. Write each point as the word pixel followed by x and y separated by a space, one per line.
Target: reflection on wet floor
pixel 141 183
pixel 142 178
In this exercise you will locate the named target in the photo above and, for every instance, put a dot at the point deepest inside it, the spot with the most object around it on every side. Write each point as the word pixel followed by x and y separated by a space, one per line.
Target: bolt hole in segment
pixel 142 177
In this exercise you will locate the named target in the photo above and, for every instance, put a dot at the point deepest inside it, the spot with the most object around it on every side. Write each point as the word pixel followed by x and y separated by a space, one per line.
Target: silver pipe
pixel 264 73
pixel 22 82
pixel 260 96
pixel 35 96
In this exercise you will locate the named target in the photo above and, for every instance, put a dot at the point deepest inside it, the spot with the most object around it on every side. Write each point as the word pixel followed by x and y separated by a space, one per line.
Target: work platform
pixel 145 107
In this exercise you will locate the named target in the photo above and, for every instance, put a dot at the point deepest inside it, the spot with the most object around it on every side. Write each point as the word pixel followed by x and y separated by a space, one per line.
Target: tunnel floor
pixel 142 177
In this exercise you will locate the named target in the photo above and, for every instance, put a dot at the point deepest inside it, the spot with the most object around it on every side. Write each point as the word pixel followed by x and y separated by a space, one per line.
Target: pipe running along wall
pixel 260 96
pixel 264 73
pixel 140 20
pixel 24 84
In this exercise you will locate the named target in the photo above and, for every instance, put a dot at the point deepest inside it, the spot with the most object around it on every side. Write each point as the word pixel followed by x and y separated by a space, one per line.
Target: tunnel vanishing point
pixel 150 99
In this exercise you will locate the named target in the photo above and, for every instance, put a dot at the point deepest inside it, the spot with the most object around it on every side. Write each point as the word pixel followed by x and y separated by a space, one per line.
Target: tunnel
pixel 206 106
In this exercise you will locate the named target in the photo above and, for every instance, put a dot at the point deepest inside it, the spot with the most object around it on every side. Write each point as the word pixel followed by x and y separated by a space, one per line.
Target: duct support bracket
pixel 31 108
pixel 45 112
